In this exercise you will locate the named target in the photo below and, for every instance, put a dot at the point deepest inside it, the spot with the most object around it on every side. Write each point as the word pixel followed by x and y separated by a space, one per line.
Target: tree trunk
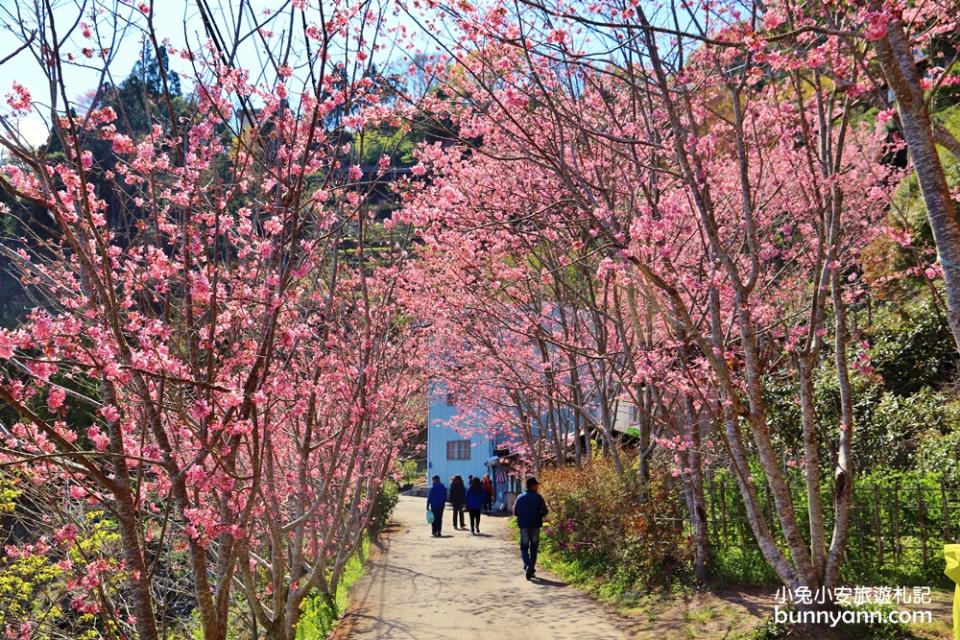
pixel 644 426
pixel 900 70
pixel 740 467
pixel 767 454
pixel 765 540
pixel 696 504
pixel 133 558
pixel 843 475
pixel 811 465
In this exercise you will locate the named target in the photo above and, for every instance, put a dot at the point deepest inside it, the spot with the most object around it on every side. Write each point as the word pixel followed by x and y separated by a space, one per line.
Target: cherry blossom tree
pixel 234 357
pixel 728 198
pixel 900 57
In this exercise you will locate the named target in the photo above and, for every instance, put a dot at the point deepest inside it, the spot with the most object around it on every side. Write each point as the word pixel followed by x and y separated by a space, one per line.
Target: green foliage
pixel 604 527
pixel 891 427
pixel 941 454
pixel 912 352
pixel 740 564
pixel 895 516
pixel 320 614
pixel 23 581
pixel 8 495
pixel 102 537
pixel 383 504
pixel 410 473
pixel 896 410
pixel 908 507
pixel 912 347
pixel 395 143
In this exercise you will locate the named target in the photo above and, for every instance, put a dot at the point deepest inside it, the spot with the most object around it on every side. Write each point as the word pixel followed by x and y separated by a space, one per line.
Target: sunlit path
pixel 461 587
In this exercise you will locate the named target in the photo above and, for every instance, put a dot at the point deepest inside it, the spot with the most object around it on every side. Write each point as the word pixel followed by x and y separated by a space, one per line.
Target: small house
pixel 455 444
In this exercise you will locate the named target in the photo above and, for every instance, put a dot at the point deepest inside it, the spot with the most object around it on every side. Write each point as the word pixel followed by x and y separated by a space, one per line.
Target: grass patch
pixel 319 617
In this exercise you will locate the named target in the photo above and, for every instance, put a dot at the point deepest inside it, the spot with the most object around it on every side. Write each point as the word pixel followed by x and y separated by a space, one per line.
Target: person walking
pixel 436 501
pixel 487 493
pixel 475 498
pixel 530 508
pixel 458 496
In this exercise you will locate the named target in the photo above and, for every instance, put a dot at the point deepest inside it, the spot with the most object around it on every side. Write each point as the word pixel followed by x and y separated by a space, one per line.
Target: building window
pixel 458 450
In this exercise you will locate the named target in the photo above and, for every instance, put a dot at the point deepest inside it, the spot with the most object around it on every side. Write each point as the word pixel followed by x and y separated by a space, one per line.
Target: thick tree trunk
pixel 765 540
pixel 900 70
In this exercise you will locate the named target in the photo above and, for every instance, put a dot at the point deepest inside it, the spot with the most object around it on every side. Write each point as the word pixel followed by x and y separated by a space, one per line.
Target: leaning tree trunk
pixel 900 70
pixel 811 467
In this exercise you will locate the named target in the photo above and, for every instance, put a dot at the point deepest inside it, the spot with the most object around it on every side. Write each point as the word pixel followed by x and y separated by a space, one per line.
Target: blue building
pixel 454 447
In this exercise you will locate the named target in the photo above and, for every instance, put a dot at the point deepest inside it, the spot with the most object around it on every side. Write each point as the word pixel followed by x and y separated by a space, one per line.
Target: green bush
pixel 383 504
pixel 410 473
pixel 941 454
pixel 603 526
pixel 911 347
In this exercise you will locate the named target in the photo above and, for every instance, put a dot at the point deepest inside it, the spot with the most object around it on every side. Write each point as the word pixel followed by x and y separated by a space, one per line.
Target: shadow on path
pixel 544 582
pixel 466 587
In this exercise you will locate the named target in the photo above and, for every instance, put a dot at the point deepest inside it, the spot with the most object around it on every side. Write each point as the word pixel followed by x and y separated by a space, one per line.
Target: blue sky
pixel 176 20
pixel 172 18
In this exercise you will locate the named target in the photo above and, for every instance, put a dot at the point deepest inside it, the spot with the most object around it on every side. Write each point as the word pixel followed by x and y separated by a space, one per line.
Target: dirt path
pixel 461 587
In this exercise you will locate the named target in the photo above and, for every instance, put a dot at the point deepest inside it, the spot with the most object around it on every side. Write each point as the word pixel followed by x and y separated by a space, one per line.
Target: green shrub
pixel 911 347
pixel 941 454
pixel 410 473
pixel 383 504
pixel 604 526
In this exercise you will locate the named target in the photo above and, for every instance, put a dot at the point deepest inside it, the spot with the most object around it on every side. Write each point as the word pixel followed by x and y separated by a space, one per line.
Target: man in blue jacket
pixel 530 508
pixel 436 500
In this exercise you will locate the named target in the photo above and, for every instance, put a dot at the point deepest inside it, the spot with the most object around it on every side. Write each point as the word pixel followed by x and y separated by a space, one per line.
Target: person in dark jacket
pixel 458 496
pixel 436 501
pixel 475 498
pixel 530 508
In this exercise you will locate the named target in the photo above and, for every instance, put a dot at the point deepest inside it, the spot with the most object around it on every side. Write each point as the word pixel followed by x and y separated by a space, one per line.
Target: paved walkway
pixel 462 587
